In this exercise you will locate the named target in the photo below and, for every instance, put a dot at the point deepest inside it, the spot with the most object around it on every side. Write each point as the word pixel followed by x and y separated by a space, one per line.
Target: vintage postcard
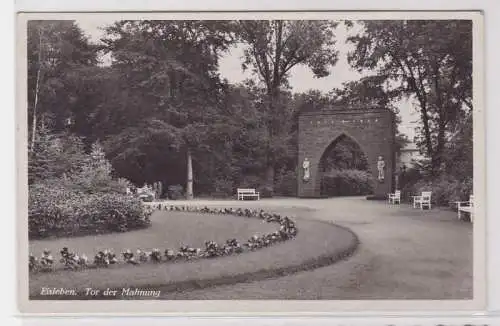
pixel 250 163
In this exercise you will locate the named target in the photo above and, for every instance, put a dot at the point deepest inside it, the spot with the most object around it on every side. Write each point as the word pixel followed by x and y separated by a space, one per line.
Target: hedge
pixel 175 192
pixel 55 211
pixel 347 183
pixel 446 190
pixel 287 184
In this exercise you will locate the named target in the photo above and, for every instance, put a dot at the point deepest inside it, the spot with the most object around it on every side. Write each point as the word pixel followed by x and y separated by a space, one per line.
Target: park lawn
pixel 167 230
pixel 317 244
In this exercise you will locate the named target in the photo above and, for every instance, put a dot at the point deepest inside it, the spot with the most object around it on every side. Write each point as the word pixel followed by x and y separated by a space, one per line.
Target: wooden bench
pixel 247 192
pixel 467 207
pixel 423 200
pixel 395 197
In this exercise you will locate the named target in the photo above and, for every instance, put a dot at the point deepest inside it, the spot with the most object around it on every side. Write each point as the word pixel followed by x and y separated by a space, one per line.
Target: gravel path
pixel 405 253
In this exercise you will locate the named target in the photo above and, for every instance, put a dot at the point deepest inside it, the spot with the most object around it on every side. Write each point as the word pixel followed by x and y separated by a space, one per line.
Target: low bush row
pixel 347 183
pixel 446 189
pixel 56 211
pixel 105 258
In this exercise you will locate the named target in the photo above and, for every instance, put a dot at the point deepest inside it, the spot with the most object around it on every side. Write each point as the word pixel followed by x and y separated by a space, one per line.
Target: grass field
pixel 168 230
pixel 317 243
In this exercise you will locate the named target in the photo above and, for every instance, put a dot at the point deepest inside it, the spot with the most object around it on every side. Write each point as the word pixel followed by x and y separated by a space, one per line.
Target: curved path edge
pixel 263 274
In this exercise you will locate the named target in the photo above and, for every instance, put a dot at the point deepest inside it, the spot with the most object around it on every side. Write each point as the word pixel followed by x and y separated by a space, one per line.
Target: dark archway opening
pixel 343 169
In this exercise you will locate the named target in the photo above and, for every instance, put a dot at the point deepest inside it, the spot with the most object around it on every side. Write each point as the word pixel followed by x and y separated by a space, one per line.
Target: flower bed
pixel 104 258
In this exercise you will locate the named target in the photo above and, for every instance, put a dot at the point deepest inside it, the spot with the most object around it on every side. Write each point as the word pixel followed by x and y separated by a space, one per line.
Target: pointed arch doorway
pixel 372 129
pixel 343 153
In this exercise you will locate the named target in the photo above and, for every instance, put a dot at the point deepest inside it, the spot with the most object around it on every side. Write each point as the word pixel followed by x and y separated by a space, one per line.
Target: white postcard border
pixel 264 307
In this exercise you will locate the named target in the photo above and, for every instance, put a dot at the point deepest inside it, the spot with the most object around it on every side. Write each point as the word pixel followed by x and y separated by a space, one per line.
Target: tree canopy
pixel 430 61
pixel 161 111
pixel 272 49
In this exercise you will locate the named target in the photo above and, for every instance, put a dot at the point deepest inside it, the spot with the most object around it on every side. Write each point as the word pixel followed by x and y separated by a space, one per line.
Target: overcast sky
pixel 301 78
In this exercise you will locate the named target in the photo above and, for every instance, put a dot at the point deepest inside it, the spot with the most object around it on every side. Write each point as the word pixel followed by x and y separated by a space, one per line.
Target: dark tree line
pixel 162 111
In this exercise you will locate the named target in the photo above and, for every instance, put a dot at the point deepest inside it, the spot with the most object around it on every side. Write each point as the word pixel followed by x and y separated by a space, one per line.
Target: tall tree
pixel 168 89
pixel 56 49
pixel 430 61
pixel 272 49
pixel 370 91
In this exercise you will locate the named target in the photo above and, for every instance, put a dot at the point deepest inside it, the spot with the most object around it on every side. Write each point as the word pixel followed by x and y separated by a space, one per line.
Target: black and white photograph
pixel 249 157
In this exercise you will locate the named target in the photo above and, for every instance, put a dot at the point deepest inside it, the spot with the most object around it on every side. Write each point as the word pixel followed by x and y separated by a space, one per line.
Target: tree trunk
pixel 438 152
pixel 37 88
pixel 270 176
pixel 189 186
pixel 419 90
pixel 274 131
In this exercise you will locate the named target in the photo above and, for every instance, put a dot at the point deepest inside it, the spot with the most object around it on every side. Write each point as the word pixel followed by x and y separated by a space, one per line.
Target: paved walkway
pixel 405 253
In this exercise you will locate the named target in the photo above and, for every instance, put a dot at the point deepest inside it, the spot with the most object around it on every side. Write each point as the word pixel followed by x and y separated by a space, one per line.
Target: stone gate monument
pixel 372 129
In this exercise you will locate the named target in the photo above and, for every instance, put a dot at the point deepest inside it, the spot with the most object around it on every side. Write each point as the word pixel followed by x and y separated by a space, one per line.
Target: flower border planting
pixel 318 244
pixel 104 258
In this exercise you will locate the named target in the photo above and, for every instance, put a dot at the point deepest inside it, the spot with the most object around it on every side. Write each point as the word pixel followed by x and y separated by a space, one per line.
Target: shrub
pixel 347 183
pixel 92 180
pixel 251 181
pixel 51 210
pixel 410 177
pixel 287 184
pixel 55 211
pixel 223 188
pixel 175 192
pixel 265 191
pixel 121 185
pixel 445 189
pixel 94 175
pixel 114 212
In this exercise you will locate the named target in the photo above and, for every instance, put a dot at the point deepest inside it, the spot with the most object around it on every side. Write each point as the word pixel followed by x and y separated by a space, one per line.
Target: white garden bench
pixel 467 207
pixel 247 192
pixel 423 200
pixel 395 197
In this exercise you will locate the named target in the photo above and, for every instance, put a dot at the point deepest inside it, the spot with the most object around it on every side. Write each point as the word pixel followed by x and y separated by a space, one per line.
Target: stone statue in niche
pixel 380 168
pixel 306 166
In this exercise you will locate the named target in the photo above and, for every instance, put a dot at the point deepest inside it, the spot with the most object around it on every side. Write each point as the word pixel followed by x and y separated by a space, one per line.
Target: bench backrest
pixel 426 195
pixel 246 191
